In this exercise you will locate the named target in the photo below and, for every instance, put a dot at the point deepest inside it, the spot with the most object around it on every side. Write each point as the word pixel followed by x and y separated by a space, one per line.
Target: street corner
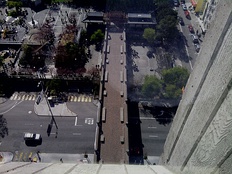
pixel 3 100
pixel 6 157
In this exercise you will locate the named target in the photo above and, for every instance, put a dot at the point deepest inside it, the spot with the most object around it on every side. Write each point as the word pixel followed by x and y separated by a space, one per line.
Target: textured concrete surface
pixel 70 168
pixel 200 140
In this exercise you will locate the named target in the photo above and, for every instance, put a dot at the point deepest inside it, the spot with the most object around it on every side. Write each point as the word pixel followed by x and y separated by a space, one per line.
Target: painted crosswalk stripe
pixel 15 97
pixel 75 98
pixel 12 97
pixel 19 97
pixel 90 99
pixel 34 97
pixel 79 98
pixel 26 97
pixel 83 99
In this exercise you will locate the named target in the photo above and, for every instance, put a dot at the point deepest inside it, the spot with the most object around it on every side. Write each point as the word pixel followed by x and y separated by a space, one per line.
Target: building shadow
pixel 135 137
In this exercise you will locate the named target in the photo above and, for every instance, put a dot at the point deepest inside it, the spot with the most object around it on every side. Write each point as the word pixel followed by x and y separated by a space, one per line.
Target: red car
pixel 190 27
pixel 187 14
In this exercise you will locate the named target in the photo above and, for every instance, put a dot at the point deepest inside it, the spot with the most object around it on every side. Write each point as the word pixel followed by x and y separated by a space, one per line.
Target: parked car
pixel 182 1
pixel 187 14
pixel 190 27
pixel 184 7
pixel 176 3
pixel 195 39
pixel 197 47
pixel 181 21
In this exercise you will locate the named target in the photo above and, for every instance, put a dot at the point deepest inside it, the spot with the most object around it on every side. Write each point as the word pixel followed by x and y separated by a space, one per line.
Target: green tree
pixel 97 37
pixel 149 34
pixel 177 76
pixel 152 86
pixel 174 79
pixel 167 27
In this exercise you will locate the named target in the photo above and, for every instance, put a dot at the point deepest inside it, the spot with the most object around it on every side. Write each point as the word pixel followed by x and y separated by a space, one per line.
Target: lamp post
pixel 49 107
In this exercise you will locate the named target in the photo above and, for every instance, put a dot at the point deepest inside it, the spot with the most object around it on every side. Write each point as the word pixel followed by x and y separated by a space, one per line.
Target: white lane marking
pixel 151 127
pixel 53 133
pixel 16 103
pixel 153 136
pixel 76 133
pixel 75 121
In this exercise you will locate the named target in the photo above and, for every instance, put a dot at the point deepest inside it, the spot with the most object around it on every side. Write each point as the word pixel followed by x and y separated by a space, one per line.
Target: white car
pixel 184 7
pixel 32 136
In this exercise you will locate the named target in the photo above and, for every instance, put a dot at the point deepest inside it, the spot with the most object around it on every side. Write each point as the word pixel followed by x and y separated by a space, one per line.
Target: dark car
pixel 191 30
pixel 197 47
pixel 181 21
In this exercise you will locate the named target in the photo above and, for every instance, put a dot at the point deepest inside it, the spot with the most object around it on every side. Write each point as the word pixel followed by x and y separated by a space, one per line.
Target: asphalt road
pixel 153 136
pixel 75 134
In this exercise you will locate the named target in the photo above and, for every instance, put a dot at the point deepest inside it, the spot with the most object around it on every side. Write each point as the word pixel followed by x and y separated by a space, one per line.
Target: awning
pixel 194 4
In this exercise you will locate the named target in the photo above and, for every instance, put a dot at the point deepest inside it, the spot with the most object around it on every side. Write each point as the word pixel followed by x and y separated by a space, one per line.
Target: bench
pixel 106 76
pixel 121 115
pixel 103 114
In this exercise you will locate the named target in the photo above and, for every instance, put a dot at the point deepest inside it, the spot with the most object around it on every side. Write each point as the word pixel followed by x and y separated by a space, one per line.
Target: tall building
pixel 200 138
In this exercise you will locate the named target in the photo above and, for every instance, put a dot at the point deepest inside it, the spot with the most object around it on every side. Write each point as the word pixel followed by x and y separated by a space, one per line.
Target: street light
pixel 49 107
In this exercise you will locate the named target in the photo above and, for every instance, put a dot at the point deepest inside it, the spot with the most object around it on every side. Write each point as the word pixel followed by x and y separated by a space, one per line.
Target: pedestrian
pixel 61 160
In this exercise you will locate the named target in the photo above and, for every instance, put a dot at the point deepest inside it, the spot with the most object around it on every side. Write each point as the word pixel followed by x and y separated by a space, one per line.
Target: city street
pixel 75 134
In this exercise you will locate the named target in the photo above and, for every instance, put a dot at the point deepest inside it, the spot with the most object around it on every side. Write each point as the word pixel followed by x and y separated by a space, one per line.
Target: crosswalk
pixel 80 98
pixel 71 98
pixel 20 156
pixel 19 96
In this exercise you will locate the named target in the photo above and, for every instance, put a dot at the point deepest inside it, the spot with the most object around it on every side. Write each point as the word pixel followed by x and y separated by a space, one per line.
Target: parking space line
pixel 76 133
pixel 153 136
pixel 75 121
pixel 151 127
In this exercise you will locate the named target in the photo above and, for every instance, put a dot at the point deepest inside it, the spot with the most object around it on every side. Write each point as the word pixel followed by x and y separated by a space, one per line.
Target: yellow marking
pixel 79 98
pixel 90 99
pixel 20 156
pixel 15 97
pixel 75 98
pixel 86 99
pixel 12 97
pixel 26 97
pixel 83 98
pixel 23 97
pixel 29 156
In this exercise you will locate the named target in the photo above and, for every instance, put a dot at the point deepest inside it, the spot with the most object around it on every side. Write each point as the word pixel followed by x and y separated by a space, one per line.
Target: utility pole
pixel 50 110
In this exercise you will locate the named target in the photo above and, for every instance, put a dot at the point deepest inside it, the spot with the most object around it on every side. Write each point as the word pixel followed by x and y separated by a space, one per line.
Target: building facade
pixel 200 139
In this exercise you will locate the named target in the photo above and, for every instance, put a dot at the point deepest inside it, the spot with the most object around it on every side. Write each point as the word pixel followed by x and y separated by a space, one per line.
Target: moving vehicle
pixel 32 138
pixel 187 14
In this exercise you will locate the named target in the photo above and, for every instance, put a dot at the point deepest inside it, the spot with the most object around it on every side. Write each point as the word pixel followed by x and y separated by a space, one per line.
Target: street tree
pixel 152 86
pixel 97 37
pixel 167 27
pixel 149 35
pixel 174 80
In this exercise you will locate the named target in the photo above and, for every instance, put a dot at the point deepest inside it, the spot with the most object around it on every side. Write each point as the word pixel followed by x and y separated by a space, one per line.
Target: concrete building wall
pixel 200 139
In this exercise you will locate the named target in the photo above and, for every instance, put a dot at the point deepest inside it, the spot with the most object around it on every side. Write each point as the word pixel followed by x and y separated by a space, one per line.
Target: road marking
pixel 16 103
pixel 75 121
pixel 153 136
pixel 89 121
pixel 76 133
pixel 151 127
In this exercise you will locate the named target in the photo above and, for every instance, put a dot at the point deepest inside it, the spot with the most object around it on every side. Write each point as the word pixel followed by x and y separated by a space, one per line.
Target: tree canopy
pixel 149 34
pixel 152 86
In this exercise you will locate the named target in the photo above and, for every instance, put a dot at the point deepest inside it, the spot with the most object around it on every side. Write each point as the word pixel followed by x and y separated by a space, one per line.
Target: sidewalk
pixel 63 158
pixel 59 109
